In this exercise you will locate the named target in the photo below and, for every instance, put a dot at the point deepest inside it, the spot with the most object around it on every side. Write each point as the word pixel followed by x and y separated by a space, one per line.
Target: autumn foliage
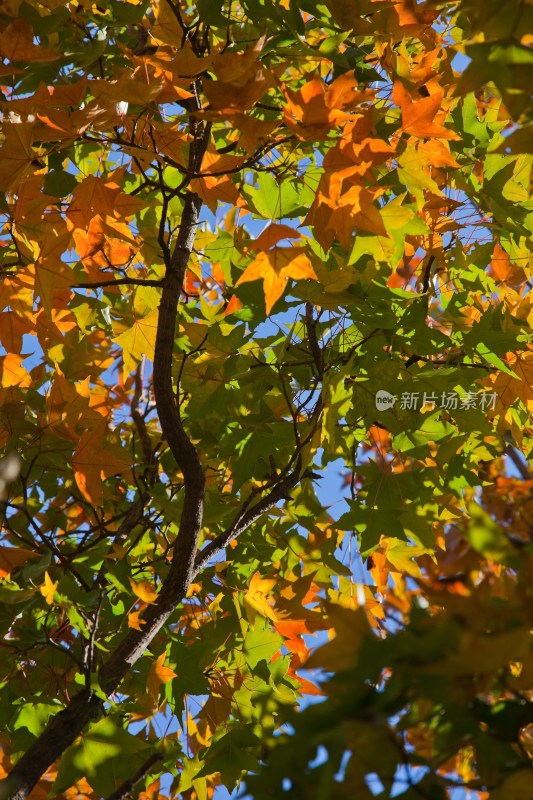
pixel 226 226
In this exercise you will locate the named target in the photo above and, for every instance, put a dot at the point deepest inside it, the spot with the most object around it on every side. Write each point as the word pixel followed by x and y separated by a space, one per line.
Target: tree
pixel 244 242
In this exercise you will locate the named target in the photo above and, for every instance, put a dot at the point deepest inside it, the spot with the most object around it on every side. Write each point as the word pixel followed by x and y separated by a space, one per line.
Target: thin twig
pixel 120 282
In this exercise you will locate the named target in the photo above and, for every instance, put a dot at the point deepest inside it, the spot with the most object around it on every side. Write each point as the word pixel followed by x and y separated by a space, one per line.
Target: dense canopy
pixel 266 385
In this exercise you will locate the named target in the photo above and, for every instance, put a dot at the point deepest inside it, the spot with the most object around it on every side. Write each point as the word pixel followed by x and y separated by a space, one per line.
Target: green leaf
pixel 104 755
pixel 210 11
pixel 489 538
pixel 34 716
pixel 260 645
pixel 272 199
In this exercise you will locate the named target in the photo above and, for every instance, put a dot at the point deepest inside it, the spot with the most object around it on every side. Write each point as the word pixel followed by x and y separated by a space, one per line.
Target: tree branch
pixel 520 466
pixel 128 786
pixel 66 726
pixel 311 323
pixel 427 274
pixel 247 517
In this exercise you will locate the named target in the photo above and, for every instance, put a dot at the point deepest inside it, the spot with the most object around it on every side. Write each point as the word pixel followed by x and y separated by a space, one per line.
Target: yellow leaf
pixel 166 29
pixel 401 556
pixel 12 373
pixel 144 590
pixel 48 588
pixel 275 267
pixel 256 597
pixel 414 166
pixel 138 340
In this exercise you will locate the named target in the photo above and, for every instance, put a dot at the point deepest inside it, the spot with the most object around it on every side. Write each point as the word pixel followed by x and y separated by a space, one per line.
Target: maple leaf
pixel 93 463
pixel 144 590
pixel 509 388
pixel 165 29
pixel 256 600
pixel 48 589
pixel 273 234
pixel 274 268
pixel 135 621
pixel 11 558
pixel 227 98
pixel 253 132
pixel 16 44
pixel 351 627
pixel 292 631
pixel 17 156
pixel 314 109
pixel 418 116
pixel 12 329
pixel 138 341
pixel 95 195
pixel 68 405
pixel 156 143
pixel 53 277
pixel 158 676
pixel 400 556
pixel 214 183
pixel 233 305
pixel 412 14
pixel 12 373
pixel 334 216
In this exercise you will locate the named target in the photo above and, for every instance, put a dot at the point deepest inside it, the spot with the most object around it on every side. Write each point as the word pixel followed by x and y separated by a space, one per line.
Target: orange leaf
pixel 93 463
pixel 52 277
pixel 103 196
pixel 307 687
pixel 68 404
pixel 362 211
pixel 351 627
pixel 253 131
pixel 418 115
pixel 158 676
pixel 12 329
pixel 508 388
pixel 225 98
pixel 215 184
pixel 134 620
pixel 16 154
pixel 11 558
pixel 314 109
pixel 16 44
pixel 275 267
pixel 234 305
pixel 273 234
pixel 409 13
